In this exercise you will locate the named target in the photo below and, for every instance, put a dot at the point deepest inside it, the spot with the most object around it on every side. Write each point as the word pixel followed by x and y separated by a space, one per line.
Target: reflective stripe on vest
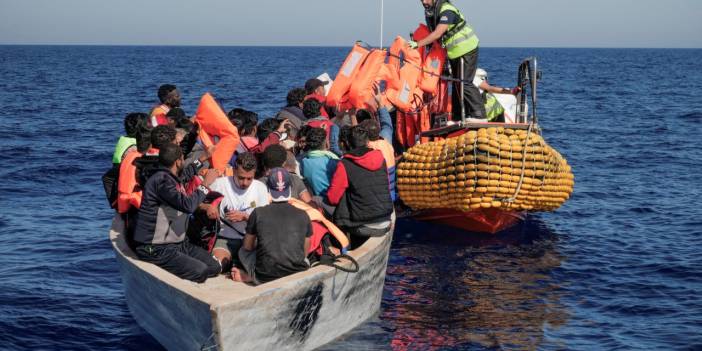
pixel 123 144
pixel 492 107
pixel 462 41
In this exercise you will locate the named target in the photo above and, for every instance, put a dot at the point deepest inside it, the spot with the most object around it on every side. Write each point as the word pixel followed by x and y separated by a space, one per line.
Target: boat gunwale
pixel 231 292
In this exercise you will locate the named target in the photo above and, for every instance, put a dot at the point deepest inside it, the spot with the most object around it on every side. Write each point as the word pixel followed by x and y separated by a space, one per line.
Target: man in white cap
pixel 277 236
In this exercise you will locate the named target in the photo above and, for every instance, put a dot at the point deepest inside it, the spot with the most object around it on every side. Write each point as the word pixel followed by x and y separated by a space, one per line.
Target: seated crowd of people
pixel 307 182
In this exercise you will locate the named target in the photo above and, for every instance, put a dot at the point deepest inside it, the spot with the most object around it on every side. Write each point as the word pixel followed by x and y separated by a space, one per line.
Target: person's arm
pixel 273 138
pixel 334 140
pixel 305 196
pixel 386 130
pixel 433 36
pixel 308 234
pixel 338 185
pixel 498 90
pixel 168 192
pixel 249 243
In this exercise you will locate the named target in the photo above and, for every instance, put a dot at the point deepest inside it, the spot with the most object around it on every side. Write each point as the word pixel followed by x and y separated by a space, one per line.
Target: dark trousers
pixel 472 100
pixel 183 259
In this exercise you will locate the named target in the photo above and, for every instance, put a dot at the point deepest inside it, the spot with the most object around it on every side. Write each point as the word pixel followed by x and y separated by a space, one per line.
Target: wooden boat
pixel 299 312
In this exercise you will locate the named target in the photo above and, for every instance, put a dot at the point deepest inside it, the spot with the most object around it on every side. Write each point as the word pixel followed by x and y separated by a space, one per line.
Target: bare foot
pixel 240 276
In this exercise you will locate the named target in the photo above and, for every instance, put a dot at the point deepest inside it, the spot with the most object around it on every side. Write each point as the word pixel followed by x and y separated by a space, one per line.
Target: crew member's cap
pixel 314 83
pixel 279 184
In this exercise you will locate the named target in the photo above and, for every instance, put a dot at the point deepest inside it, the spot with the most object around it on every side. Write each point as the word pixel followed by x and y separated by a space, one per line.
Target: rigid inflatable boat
pixel 474 175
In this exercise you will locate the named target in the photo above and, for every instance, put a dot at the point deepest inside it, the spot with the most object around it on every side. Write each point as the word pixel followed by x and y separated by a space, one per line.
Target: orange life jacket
pixel 214 123
pixel 158 116
pixel 433 66
pixel 128 193
pixel 432 61
pixel 406 129
pixel 318 217
pixel 403 93
pixel 361 90
pixel 393 64
pixel 346 74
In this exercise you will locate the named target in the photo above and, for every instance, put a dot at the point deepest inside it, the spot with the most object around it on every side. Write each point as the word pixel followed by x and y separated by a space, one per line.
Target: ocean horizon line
pixel 332 46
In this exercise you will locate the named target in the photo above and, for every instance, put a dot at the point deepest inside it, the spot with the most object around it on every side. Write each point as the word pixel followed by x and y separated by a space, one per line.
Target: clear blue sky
pixel 535 23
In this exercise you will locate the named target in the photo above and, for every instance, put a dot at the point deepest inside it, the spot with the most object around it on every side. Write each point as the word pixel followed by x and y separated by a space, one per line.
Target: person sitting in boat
pixel 277 236
pixel 242 194
pixel 127 142
pixel 493 110
pixel 293 111
pixel 380 133
pixel 311 110
pixel 175 115
pixel 360 190
pixel 318 164
pixel 376 142
pixel 163 218
pixel 315 90
pixel 166 135
pixel 129 192
pixel 247 125
pixel 170 97
pixel 275 156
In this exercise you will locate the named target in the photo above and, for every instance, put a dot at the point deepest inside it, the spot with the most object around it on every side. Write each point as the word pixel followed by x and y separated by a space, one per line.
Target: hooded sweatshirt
pixel 360 189
pixel 318 167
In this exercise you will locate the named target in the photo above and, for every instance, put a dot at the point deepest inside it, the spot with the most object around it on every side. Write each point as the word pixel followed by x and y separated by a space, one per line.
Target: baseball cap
pixel 279 184
pixel 312 84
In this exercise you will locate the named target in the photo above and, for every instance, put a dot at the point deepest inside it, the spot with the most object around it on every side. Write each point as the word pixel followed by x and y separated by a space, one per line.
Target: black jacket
pixel 165 208
pixel 360 189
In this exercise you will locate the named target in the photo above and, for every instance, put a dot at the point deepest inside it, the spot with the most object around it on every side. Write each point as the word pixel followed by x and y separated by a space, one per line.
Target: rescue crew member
pixel 494 112
pixel 461 43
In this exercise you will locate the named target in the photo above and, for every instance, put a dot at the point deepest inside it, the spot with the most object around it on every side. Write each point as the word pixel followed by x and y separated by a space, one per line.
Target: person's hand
pixel 210 177
pixel 515 90
pixel 412 44
pixel 284 126
pixel 212 212
pixel 237 216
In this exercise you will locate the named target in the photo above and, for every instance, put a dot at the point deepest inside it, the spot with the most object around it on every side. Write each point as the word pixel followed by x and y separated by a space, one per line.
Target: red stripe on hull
pixel 488 220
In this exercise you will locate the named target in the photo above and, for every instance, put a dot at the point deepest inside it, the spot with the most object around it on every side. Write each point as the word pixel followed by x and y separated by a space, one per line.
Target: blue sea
pixel 619 266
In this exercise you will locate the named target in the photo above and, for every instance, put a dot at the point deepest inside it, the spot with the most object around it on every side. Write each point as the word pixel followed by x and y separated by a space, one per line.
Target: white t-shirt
pixel 256 195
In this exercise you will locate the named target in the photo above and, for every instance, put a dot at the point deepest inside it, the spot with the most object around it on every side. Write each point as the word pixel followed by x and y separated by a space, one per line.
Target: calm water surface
pixel 617 267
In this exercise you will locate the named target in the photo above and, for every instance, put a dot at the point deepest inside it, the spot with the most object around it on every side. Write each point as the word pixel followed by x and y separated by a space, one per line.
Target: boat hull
pixel 299 312
pixel 487 220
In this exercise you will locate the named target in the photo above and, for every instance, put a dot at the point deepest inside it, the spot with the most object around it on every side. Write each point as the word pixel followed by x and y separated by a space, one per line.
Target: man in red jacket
pixel 360 190
pixel 315 90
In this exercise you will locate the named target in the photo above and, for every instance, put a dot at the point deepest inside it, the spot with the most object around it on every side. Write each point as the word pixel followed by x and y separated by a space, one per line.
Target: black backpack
pixel 109 181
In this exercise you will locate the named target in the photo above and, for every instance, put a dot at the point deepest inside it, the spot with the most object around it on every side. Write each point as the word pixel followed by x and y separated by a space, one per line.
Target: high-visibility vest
pixel 493 109
pixel 460 38
pixel 123 144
